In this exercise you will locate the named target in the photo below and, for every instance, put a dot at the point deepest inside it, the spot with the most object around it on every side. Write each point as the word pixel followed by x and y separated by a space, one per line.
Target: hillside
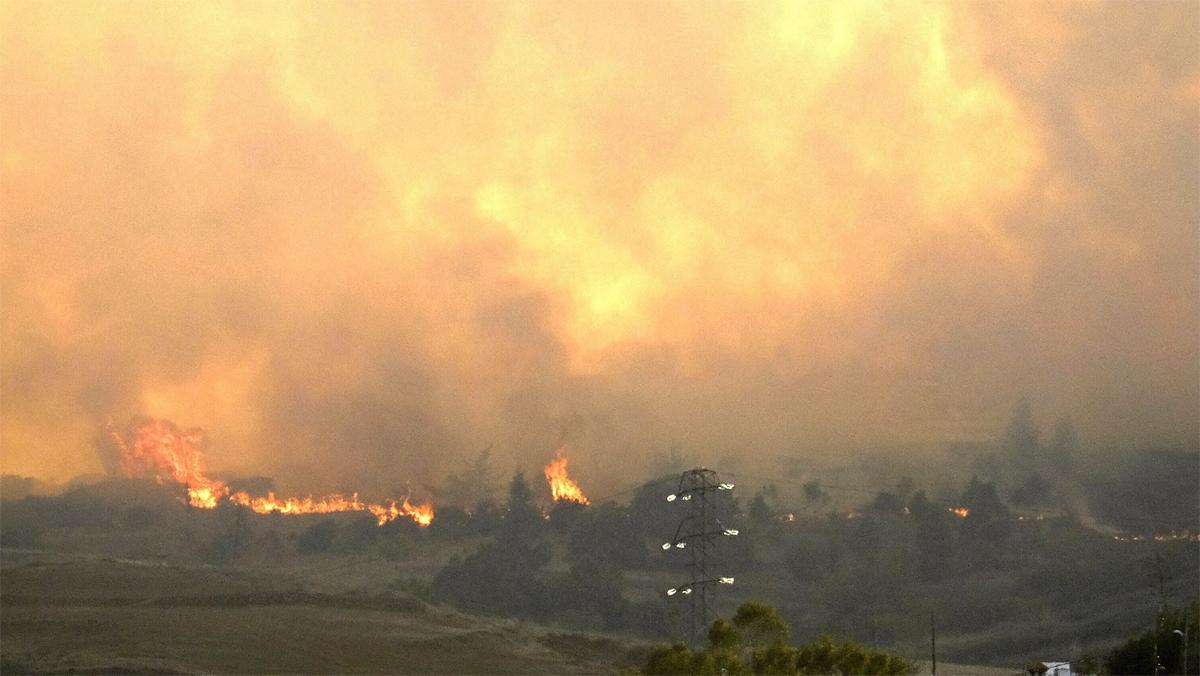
pixel 120 575
pixel 72 614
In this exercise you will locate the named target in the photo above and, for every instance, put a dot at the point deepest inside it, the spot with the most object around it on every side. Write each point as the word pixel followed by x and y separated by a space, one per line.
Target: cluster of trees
pixel 1166 641
pixel 756 641
pixel 1146 491
pixel 126 504
pixel 1031 469
pixel 906 529
pixel 1037 472
pixel 858 571
pixel 861 572
pixel 509 573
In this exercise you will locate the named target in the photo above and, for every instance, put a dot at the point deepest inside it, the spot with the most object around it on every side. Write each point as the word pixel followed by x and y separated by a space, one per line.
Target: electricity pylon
pixel 697 532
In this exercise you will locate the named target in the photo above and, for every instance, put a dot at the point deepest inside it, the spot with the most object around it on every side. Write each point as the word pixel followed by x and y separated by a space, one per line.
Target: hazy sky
pixel 358 242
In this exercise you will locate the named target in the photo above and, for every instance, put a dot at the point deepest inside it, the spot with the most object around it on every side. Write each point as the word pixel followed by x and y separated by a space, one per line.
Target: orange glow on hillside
pixel 562 487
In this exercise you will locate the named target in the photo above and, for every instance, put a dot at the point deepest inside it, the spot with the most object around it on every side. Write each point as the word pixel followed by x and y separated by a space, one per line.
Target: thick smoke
pixel 359 243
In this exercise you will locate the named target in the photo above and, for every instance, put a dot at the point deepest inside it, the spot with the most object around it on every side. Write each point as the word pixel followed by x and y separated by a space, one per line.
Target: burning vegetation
pixel 383 512
pixel 562 487
pixel 161 450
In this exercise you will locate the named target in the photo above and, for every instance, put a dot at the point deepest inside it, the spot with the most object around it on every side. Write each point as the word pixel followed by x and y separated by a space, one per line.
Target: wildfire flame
pixel 162 450
pixel 562 487
pixel 383 512
pixel 960 512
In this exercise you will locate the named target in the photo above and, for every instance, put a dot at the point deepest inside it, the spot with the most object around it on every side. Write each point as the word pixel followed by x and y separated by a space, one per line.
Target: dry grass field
pixel 70 614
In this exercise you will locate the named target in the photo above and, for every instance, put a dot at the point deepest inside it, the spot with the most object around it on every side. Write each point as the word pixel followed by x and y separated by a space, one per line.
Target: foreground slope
pixel 73 614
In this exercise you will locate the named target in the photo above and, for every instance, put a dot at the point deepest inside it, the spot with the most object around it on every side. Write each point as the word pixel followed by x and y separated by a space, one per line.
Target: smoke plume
pixel 356 243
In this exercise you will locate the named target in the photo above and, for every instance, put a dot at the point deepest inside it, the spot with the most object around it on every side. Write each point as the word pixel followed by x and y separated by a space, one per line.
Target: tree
pixel 813 557
pixel 1065 446
pixel 1136 656
pixel 522 518
pixel 986 527
pixel 723 662
pixel 520 494
pixel 501 577
pixel 606 533
pixel 761 514
pixel 646 511
pixel 1035 492
pixel 887 502
pixel 932 536
pixel 755 642
pixel 473 484
pixel 506 575
pixel 777 658
pixel 723 655
pixel 1021 439
pixel 823 656
pixel 722 635
pixel 452 522
pixel 486 516
pixel 565 516
pixel 981 499
pixel 673 660
pixel 815 498
pixel 592 587
pixel 759 624
pixel 866 537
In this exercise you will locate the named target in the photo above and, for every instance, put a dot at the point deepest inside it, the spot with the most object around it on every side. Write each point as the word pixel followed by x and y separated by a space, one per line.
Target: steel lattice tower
pixel 697 531
pixel 700 482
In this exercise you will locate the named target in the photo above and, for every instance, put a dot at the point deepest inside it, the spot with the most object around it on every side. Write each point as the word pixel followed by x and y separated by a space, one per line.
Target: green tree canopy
pixel 755 642
pixel 759 624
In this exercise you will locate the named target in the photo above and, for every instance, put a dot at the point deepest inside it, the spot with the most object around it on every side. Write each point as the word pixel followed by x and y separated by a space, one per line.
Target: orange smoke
pixel 160 449
pixel 960 512
pixel 562 487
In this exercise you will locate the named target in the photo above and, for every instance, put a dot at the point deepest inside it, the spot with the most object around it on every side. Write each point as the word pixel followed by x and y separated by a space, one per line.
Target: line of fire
pixel 161 450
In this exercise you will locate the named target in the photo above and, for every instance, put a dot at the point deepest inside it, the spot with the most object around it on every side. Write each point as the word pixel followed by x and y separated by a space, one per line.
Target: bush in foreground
pixel 756 642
